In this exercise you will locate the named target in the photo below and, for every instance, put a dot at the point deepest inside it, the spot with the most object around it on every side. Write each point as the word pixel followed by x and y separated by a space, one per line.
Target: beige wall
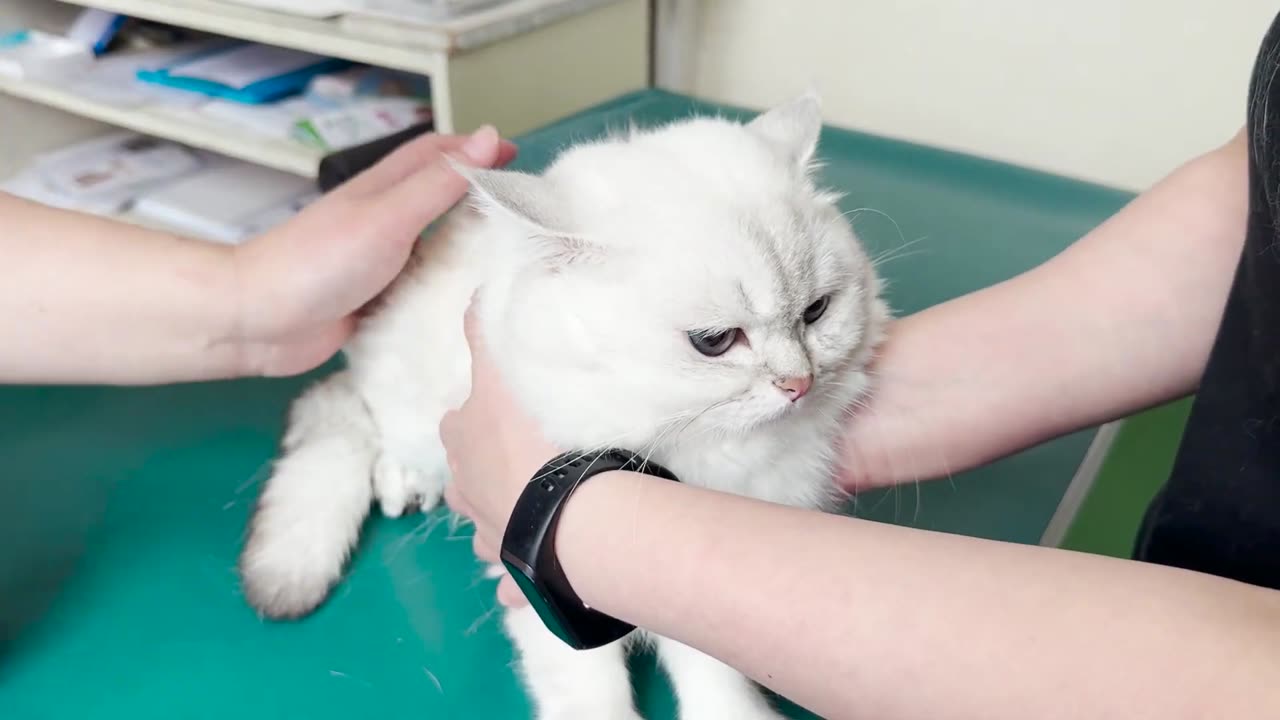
pixel 1116 91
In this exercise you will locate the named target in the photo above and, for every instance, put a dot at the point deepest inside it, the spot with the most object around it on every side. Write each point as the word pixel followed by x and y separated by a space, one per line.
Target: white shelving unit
pixel 517 66
pixel 181 125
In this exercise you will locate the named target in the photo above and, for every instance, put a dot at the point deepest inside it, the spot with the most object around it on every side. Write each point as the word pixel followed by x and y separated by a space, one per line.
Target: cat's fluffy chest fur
pixel 686 293
pixel 752 467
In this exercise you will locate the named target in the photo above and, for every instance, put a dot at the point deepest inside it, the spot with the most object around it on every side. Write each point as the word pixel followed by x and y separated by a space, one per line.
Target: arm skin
pixel 855 619
pixel 90 300
pixel 86 298
pixel 1120 321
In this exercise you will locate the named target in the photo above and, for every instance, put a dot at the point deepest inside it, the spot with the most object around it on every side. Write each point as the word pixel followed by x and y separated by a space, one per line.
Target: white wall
pixel 1115 91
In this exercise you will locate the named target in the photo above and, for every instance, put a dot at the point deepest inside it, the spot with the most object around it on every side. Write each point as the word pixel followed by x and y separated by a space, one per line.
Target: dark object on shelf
pixel 339 167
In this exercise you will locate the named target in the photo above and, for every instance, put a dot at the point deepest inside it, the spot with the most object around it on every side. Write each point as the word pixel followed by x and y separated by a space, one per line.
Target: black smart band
pixel 528 545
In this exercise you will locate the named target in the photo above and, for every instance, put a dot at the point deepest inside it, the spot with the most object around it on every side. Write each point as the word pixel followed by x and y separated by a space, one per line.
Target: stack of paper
pixel 166 185
pixel 106 174
pixel 113 79
pixel 34 55
pixel 229 201
pixel 249 73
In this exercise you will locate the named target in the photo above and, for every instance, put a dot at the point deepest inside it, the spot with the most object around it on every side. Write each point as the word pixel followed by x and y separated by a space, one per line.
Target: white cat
pixel 686 292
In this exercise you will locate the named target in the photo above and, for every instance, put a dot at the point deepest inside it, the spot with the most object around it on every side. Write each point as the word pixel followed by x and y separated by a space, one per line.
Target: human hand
pixel 301 285
pixel 493 449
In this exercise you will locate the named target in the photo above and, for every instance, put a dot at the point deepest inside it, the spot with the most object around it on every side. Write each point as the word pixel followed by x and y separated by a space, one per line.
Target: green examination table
pixel 122 510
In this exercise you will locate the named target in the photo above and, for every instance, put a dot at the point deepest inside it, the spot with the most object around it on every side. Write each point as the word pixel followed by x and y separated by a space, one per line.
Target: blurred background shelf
pixel 517 66
pixel 357 36
pixel 173 123
pixel 322 36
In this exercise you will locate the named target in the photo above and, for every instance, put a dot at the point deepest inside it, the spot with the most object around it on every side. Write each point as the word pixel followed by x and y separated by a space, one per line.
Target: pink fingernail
pixel 479 147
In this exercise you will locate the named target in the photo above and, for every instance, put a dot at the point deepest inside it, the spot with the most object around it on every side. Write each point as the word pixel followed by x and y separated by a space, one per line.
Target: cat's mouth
pixel 770 412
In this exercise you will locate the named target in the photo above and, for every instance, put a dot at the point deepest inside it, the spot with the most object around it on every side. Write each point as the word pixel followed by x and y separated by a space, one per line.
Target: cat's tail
pixel 309 513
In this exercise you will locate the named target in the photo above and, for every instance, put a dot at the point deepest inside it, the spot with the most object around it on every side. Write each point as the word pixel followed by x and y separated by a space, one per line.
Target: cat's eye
pixel 713 343
pixel 816 309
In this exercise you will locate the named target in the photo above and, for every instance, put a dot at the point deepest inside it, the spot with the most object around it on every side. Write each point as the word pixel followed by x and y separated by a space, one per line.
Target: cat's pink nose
pixel 795 387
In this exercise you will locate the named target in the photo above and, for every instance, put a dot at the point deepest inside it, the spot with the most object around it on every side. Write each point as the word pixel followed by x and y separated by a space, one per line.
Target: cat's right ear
pixel 793 127
pixel 527 199
pixel 531 201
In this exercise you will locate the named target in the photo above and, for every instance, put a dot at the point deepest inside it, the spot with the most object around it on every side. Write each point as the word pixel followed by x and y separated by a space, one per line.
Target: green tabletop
pixel 122 510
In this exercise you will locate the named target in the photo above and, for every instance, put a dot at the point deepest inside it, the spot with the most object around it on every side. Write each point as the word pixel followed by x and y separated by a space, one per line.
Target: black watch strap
pixel 528 546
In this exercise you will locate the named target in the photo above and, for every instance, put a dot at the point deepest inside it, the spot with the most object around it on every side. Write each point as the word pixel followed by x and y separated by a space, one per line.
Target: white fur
pixel 591 276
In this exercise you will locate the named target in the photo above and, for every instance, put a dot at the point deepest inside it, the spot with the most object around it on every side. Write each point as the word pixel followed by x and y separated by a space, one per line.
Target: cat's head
pixel 685 281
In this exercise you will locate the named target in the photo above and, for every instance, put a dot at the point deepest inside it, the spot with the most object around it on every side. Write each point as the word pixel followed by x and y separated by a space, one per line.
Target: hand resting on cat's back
pixel 686 291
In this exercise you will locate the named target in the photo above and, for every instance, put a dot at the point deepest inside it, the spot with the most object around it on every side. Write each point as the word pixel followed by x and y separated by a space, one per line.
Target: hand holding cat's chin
pixel 494 447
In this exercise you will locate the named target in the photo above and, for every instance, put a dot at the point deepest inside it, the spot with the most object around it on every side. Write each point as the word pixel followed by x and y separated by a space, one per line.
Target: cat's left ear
pixel 527 199
pixel 793 128
pixel 531 201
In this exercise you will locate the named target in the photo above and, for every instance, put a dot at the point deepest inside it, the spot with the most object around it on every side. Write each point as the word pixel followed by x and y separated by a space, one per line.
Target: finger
pixel 447 425
pixel 471 326
pixel 401 163
pixel 449 436
pixel 413 156
pixel 419 157
pixel 506 153
pixel 483 549
pixel 406 208
pixel 509 594
pixel 456 502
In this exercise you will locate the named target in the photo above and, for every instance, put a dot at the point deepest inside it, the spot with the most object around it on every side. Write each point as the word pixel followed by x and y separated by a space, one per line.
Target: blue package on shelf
pixel 95 29
pixel 15 38
pixel 248 73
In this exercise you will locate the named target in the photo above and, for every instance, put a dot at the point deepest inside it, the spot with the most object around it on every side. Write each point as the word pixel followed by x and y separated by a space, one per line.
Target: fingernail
pixel 480 146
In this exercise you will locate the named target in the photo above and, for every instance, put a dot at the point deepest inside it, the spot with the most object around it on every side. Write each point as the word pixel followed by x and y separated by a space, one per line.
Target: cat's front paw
pixel 401 488
pixel 284 579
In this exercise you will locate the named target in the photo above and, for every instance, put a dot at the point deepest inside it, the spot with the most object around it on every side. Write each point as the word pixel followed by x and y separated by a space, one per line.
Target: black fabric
pixel 339 167
pixel 1219 512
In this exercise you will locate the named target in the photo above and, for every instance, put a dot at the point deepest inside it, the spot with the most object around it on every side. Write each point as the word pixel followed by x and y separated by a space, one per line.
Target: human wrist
pixel 586 532
pixel 227 313
pixel 246 302
pixel 201 308
pixel 907 376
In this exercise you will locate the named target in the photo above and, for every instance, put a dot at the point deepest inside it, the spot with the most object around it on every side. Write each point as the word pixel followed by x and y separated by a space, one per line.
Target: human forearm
pixel 1122 320
pixel 860 619
pixel 87 299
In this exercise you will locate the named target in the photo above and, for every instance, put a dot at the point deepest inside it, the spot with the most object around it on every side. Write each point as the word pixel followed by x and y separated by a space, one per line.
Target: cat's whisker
pixel 851 214
pixel 589 450
pixel 684 418
pixel 420 534
pixel 890 257
pixel 480 621
pixel 915 519
pixel 894 252
pixel 704 411
pixel 906 245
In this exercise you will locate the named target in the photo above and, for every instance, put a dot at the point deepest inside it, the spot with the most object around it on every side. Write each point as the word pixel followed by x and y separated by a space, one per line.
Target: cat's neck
pixel 789 461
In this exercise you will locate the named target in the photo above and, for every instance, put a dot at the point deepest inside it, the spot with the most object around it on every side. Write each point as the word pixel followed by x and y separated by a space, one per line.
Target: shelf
pixel 394 44
pixel 272 28
pixel 177 124
pixel 533 49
